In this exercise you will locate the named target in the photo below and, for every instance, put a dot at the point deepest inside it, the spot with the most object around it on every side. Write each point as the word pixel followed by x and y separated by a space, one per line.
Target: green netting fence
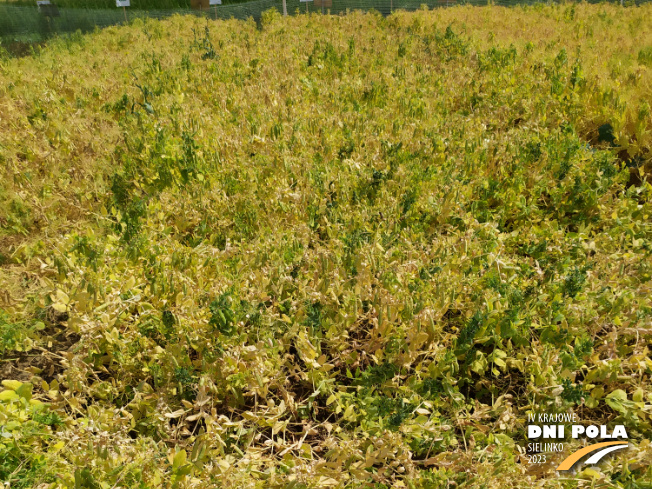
pixel 19 22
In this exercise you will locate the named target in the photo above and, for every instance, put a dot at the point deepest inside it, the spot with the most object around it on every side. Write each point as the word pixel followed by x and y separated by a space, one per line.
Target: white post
pixel 285 8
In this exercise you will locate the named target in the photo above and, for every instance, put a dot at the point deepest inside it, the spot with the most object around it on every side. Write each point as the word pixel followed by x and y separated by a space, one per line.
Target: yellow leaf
pixel 179 459
pixel 57 306
pixel 327 481
pixel 12 384
pixel 176 414
pixel 419 420
pixel 597 393
pixel 129 284
pixel 57 446
pixel 8 395
pixel 62 297
pixel 349 414
pixel 594 474
pixel 278 426
pixel 591 402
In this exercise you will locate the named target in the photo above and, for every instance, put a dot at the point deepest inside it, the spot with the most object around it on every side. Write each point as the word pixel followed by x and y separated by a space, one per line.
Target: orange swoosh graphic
pixel 571 459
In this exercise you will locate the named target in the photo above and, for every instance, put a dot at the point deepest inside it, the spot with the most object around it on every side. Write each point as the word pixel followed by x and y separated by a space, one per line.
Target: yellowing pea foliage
pixel 325 251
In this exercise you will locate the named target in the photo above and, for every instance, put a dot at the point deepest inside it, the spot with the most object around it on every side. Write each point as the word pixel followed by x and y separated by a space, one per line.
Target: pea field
pixel 345 251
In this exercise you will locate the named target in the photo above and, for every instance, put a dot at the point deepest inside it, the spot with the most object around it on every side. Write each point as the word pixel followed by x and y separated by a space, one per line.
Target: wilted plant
pixel 313 260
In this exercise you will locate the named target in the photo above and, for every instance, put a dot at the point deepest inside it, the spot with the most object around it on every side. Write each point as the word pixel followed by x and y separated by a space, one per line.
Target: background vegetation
pixel 105 4
pixel 329 251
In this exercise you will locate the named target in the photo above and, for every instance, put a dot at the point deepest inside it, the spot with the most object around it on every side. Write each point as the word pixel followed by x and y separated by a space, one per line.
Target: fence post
pixel 285 8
